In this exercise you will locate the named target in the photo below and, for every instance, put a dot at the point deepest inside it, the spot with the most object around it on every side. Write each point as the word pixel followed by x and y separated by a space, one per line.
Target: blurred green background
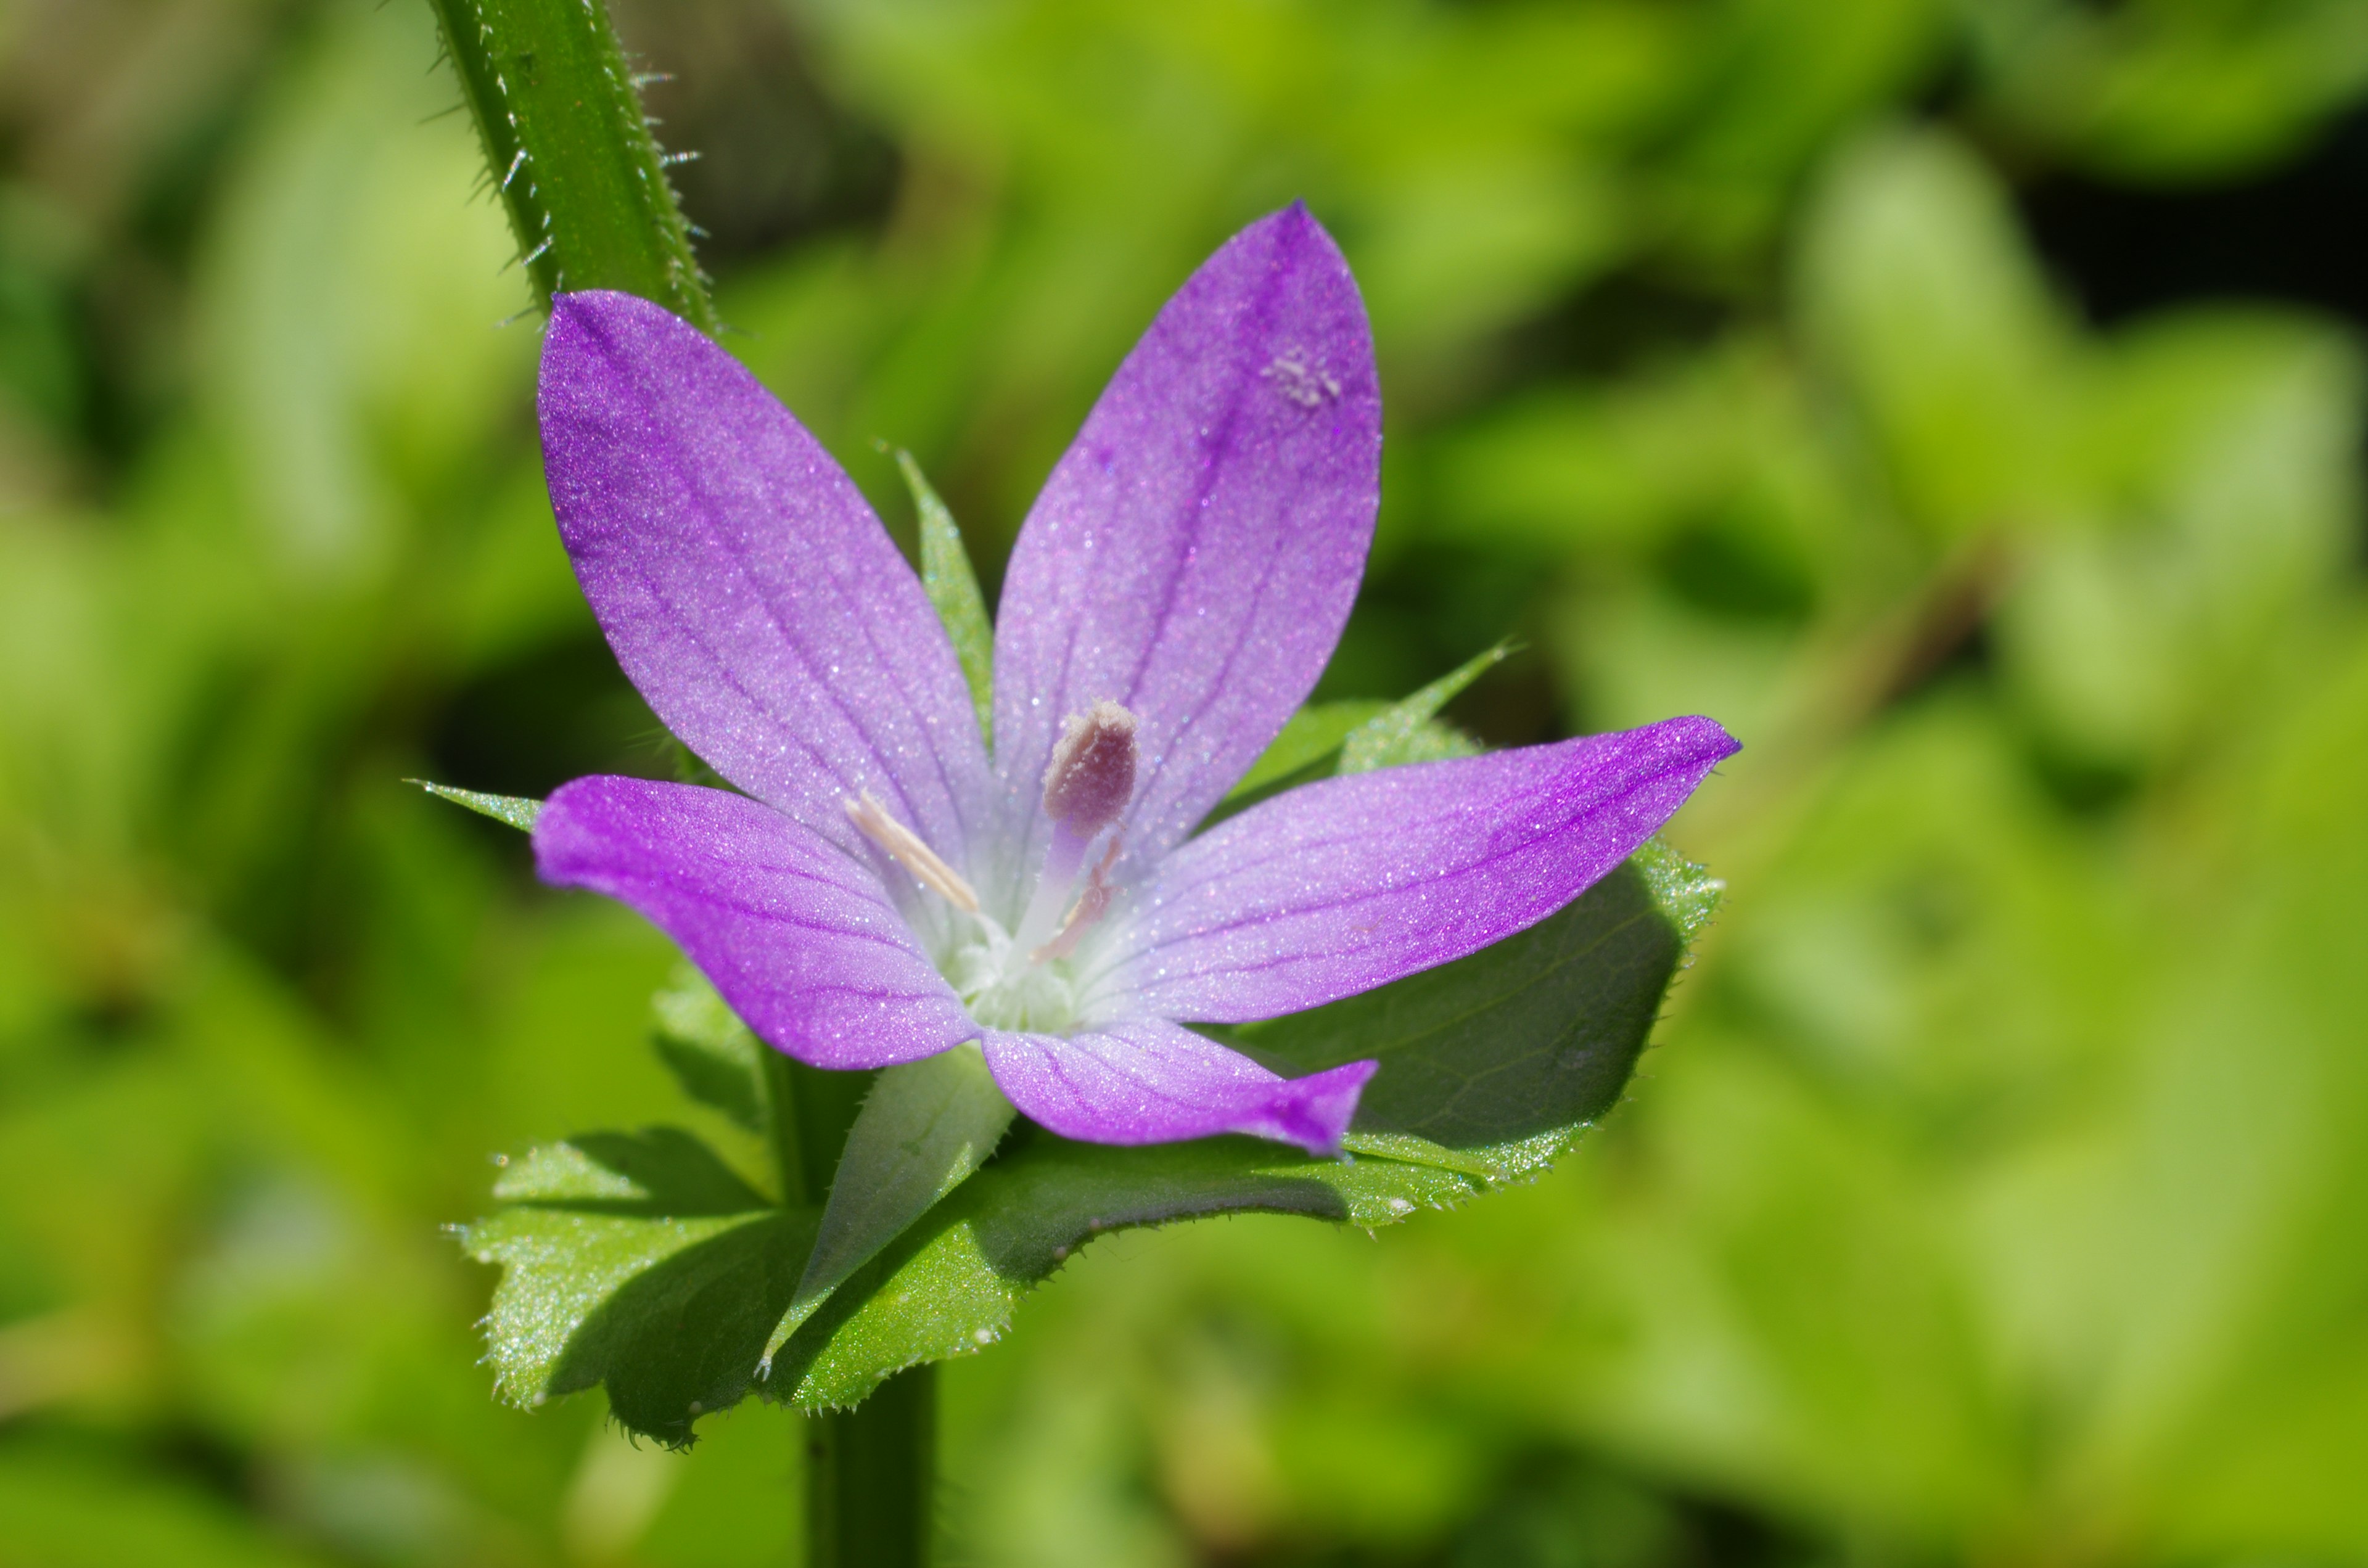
pixel 1960 401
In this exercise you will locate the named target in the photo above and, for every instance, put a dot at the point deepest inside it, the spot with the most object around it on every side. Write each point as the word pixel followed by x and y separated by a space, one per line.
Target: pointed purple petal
pixel 1345 884
pixel 1147 1081
pixel 1195 555
pixel 801 941
pixel 745 585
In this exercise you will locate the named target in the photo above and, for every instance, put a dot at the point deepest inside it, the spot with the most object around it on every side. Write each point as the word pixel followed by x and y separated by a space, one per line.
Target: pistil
pixel 1087 785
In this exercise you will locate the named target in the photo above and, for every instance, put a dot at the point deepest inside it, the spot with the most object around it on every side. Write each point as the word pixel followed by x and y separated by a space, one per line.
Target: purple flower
pixel 885 890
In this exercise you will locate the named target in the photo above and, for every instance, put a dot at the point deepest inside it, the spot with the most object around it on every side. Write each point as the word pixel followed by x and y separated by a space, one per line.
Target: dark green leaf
pixel 949 1284
pixel 1505 1056
pixel 640 1262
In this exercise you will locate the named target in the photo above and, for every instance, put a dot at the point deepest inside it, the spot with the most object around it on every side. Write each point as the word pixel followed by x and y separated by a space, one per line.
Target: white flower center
pixel 1027 979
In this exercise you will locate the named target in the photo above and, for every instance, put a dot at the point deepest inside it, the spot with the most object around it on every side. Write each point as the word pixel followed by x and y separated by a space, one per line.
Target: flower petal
pixel 742 580
pixel 802 941
pixel 1195 555
pixel 1345 884
pixel 1148 1081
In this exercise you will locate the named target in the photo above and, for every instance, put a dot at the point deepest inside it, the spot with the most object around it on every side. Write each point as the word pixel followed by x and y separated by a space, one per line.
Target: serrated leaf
pixel 949 1284
pixel 1409 731
pixel 639 1262
pixel 711 1052
pixel 952 586
pixel 1505 1056
pixel 518 811
pixel 925 1128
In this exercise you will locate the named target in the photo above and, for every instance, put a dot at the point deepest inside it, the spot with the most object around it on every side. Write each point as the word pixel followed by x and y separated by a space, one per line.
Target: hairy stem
pixel 568 149
pixel 869 1473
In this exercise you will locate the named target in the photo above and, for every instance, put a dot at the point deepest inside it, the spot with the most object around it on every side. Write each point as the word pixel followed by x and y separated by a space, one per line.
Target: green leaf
pixel 639 1262
pixel 1409 731
pixel 518 811
pixel 711 1052
pixel 1504 1057
pixel 947 1286
pixel 952 587
pixel 926 1128
pixel 570 152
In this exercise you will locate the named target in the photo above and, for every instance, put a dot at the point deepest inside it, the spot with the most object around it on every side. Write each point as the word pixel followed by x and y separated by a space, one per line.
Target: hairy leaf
pixel 640 1261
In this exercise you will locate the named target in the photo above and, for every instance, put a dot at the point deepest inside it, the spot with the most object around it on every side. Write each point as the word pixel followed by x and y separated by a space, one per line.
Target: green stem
pixel 782 1127
pixel 869 1477
pixel 570 152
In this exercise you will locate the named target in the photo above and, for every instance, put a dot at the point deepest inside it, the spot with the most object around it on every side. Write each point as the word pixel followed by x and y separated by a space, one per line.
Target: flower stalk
pixel 570 152
pixel 870 1475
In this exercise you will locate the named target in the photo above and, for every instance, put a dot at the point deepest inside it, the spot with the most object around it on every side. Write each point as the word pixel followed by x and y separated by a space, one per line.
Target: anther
pixel 1092 773
pixel 874 823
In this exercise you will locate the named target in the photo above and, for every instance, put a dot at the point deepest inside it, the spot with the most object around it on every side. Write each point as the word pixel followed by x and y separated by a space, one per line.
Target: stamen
pixel 1092 774
pixel 874 823
pixel 1088 908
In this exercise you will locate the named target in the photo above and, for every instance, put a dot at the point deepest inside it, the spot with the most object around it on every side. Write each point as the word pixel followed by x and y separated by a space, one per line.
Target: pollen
pixel 871 819
pixel 1092 774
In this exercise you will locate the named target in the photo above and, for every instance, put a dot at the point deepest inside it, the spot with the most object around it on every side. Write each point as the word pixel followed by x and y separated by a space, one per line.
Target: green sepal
pixel 1410 731
pixel 952 587
pixel 924 1129
pixel 518 811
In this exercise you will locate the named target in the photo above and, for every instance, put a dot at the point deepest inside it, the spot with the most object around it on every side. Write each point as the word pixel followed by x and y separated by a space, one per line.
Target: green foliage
pixel 1994 1189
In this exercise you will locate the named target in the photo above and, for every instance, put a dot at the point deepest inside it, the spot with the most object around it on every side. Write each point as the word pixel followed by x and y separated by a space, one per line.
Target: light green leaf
pixel 1409 731
pixel 952 587
pixel 639 1262
pixel 518 811
pixel 926 1128
pixel 711 1052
